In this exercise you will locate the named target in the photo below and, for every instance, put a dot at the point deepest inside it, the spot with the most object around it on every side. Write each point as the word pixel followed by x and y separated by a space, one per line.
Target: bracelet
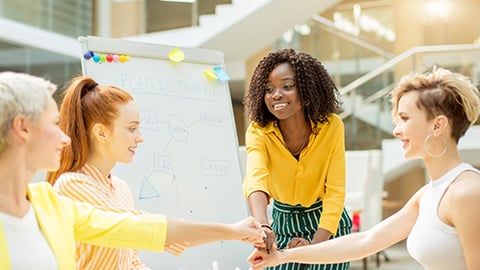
pixel 267 226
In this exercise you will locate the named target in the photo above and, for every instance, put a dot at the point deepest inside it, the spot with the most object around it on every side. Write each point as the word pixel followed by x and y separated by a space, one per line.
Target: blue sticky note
pixel 221 74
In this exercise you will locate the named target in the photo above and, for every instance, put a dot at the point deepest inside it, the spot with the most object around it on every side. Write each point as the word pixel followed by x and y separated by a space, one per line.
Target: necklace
pixel 296 153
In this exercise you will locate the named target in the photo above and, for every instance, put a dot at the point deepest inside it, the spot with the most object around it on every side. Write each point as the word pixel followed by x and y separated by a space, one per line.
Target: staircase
pixel 371 105
pixel 241 28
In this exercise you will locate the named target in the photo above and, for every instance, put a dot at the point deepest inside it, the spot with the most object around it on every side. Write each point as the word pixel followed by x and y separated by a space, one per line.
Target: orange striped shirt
pixel 109 193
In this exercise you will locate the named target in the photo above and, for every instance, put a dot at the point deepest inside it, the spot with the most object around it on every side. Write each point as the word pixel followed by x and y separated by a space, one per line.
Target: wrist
pixel 284 255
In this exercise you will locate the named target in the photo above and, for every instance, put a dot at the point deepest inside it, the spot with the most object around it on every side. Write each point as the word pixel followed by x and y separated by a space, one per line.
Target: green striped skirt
pixel 297 221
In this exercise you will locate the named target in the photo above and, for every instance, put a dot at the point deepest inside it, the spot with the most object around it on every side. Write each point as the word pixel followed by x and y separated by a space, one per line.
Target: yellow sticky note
pixel 176 55
pixel 210 74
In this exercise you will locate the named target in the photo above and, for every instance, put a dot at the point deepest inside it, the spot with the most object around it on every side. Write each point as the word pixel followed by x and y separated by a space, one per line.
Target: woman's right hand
pixel 249 230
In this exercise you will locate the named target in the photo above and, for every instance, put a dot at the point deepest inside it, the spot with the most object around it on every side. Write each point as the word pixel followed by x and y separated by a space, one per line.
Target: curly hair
pixel 318 94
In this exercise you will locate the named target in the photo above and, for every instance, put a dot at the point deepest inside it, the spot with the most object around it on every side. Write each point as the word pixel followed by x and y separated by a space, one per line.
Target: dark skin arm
pixel 257 202
pixel 320 236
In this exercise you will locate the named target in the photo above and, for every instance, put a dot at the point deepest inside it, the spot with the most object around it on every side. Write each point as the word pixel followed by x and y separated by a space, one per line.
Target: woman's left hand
pixel 297 242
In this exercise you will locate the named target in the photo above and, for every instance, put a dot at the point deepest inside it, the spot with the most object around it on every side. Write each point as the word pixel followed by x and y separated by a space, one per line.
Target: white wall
pixel 395 164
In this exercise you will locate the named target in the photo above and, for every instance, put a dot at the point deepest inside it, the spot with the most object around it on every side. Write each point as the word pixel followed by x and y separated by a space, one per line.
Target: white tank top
pixel 27 246
pixel 434 244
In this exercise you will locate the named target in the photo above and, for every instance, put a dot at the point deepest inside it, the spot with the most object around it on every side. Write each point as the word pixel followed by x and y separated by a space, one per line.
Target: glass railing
pixel 346 56
pixel 366 98
pixel 68 17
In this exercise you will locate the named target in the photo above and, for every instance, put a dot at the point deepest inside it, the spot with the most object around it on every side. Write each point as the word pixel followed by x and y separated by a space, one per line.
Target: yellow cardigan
pixel 64 222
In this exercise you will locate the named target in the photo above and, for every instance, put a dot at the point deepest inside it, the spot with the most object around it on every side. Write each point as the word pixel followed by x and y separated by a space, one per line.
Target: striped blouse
pixel 109 193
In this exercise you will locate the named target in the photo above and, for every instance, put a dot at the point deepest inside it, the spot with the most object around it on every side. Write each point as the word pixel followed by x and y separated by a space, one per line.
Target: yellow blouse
pixel 89 185
pixel 318 174
pixel 63 222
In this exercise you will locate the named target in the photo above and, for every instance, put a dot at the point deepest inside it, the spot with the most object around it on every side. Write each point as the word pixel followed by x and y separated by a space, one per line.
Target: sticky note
pixel 210 74
pixel 221 74
pixel 176 55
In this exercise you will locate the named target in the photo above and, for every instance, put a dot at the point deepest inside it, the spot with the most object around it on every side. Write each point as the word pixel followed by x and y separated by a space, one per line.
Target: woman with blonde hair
pixel 440 221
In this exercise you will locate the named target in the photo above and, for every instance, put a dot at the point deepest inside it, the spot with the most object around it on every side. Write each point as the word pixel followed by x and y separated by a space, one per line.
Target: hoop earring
pixel 426 143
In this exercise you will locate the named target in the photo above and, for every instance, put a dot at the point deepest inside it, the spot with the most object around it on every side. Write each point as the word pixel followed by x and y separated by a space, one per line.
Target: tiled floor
pixel 399 259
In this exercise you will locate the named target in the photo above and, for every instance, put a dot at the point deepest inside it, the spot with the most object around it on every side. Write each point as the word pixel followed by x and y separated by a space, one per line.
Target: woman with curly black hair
pixel 296 153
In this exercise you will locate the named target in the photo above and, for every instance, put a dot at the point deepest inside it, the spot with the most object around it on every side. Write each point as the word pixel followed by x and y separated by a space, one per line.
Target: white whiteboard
pixel 188 166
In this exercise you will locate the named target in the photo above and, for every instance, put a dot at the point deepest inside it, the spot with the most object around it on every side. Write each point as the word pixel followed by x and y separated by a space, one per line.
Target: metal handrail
pixel 384 91
pixel 401 57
